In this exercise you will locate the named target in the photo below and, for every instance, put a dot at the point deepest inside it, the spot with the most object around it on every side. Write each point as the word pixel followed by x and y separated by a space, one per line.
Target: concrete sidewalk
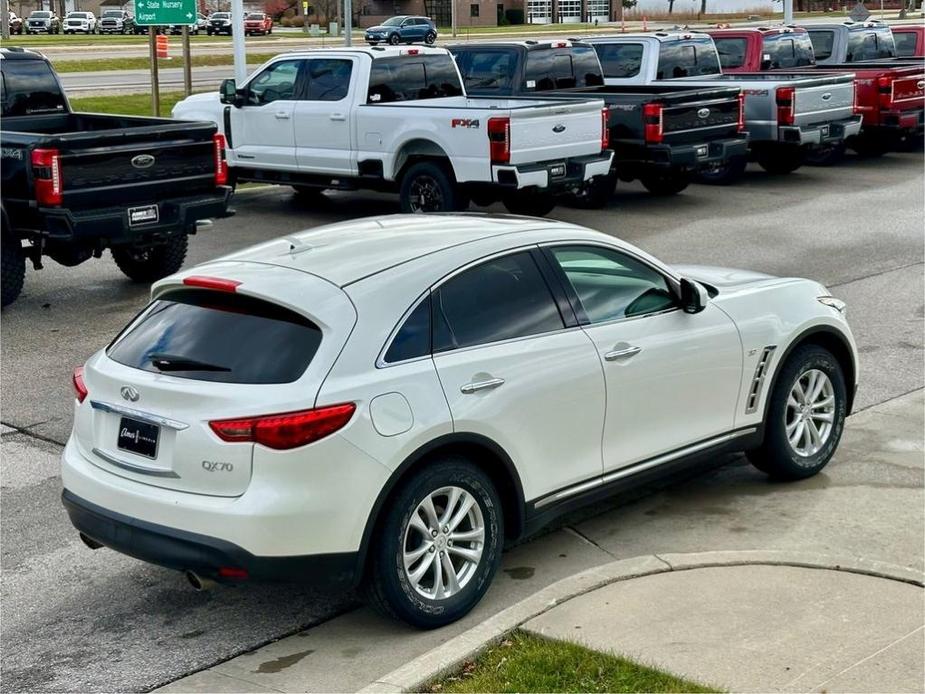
pixel 868 505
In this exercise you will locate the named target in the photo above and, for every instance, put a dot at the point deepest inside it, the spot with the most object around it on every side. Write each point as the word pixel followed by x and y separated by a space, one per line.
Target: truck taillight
pixel 652 115
pixel 499 140
pixel 605 129
pixel 221 164
pixel 284 431
pixel 785 105
pixel 741 122
pixel 855 104
pixel 46 171
pixel 885 90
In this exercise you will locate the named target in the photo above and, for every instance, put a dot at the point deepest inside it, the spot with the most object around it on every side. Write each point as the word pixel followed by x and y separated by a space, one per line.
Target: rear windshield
pixel 29 87
pixel 823 42
pixel 731 52
pixel 620 59
pixel 214 336
pixel 687 58
pixel 788 50
pixel 487 71
pixel 408 78
pixel 870 44
pixel 905 43
pixel 562 68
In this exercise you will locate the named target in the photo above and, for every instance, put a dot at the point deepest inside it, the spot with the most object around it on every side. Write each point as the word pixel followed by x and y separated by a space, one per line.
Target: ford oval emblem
pixel 703 113
pixel 827 96
pixel 143 161
pixel 129 393
pixel 920 84
pixel 559 128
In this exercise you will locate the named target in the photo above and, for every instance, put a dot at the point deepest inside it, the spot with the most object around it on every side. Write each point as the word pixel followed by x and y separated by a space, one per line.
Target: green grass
pixel 527 663
pixel 104 64
pixel 127 104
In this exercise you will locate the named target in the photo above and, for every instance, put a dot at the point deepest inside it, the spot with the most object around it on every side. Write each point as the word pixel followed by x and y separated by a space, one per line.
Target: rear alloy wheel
pixel 430 38
pixel 665 183
pixel 438 546
pixel 12 269
pixel 151 263
pixel 805 415
pixel 429 187
pixel 723 173
pixel 530 203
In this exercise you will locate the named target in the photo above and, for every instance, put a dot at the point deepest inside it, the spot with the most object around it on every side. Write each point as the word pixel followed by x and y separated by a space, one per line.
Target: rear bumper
pixel 696 154
pixel 578 170
pixel 186 551
pixel 176 215
pixel 820 133
pixel 903 123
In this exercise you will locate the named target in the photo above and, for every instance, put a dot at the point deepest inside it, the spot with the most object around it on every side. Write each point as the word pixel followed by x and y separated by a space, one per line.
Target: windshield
pixel 255 15
pixel 220 15
pixel 112 13
pixel 41 15
pixel 77 15
pixel 394 21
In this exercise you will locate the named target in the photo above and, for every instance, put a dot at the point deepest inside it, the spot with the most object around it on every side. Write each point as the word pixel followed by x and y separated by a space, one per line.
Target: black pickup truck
pixel 74 184
pixel 660 134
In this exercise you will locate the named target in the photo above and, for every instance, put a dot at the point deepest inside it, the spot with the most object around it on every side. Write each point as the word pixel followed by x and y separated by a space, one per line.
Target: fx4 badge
pixel 465 123
pixel 212 466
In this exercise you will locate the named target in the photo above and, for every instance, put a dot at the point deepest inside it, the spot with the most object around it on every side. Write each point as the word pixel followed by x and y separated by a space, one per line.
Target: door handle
pixel 622 353
pixel 476 386
pixel 338 116
pixel 281 115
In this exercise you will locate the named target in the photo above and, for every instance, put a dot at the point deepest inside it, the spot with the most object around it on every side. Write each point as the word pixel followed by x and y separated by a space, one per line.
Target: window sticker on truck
pixel 465 123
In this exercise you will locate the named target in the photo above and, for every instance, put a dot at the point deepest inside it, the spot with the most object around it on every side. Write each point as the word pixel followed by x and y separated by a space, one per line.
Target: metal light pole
pixel 348 22
pixel 788 11
pixel 5 19
pixel 237 41
pixel 453 16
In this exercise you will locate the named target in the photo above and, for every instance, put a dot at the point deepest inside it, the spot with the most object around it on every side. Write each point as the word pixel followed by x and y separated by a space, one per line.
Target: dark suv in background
pixel 403 30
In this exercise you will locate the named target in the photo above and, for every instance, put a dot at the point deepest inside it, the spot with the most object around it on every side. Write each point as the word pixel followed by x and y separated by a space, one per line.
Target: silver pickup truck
pixel 786 115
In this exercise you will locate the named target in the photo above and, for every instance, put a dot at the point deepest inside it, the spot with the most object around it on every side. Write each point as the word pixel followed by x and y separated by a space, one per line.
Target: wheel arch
pixel 491 458
pixel 419 149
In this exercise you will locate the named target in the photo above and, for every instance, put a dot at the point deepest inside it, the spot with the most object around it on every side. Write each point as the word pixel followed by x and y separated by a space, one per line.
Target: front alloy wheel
pixel 810 413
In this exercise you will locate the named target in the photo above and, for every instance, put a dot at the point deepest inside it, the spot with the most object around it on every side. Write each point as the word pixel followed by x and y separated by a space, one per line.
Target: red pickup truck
pixel 257 23
pixel 890 95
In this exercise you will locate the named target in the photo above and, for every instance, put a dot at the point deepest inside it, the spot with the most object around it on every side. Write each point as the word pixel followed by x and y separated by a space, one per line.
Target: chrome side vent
pixel 754 393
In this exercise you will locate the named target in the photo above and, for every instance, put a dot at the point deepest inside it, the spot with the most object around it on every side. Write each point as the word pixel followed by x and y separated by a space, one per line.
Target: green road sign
pixel 149 12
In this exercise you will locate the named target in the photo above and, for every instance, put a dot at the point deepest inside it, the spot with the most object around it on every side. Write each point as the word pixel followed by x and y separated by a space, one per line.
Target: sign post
pixel 187 63
pixel 348 23
pixel 154 13
pixel 155 87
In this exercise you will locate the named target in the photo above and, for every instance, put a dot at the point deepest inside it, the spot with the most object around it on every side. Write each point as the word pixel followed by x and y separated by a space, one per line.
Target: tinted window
pixel 620 59
pixel 413 77
pixel 214 336
pixel 328 79
pixel 255 15
pixel 29 86
pixel 487 71
pixel 905 43
pixel 823 42
pixel 870 44
pixel 562 68
pixel 731 52
pixel 788 50
pixel 413 337
pixel 41 15
pixel 687 58
pixel 611 285
pixel 497 300
pixel 277 82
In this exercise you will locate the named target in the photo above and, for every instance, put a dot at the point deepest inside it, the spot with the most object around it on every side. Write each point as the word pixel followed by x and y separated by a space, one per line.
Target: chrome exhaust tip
pixel 198 582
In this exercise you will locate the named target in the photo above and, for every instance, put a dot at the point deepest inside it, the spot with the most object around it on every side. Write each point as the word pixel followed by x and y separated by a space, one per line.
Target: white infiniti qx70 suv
pixel 388 400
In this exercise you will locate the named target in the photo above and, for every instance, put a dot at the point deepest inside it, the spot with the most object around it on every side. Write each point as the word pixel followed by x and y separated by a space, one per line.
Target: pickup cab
pixel 851 42
pixel 889 94
pixel 787 114
pixel 700 126
pixel 75 184
pixel 909 40
pixel 398 119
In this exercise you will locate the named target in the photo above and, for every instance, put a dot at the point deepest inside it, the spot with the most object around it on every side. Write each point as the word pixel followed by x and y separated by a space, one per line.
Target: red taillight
pixel 216 283
pixel 654 123
pixel 80 388
pixel 785 105
pixel 412 51
pixel 605 129
pixel 855 105
pixel 46 171
pixel 221 164
pixel 499 139
pixel 741 122
pixel 285 431
pixel 885 89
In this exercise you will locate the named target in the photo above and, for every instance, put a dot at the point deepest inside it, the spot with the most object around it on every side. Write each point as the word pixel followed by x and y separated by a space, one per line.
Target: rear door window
pixel 328 79
pixel 687 58
pixel 731 51
pixel 905 43
pixel 409 78
pixel 215 336
pixel 823 43
pixel 620 60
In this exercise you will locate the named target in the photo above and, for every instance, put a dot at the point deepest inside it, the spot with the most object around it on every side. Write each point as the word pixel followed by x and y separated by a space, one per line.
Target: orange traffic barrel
pixel 162 45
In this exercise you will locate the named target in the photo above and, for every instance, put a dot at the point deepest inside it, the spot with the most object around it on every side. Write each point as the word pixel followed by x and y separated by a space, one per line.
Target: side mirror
pixel 694 296
pixel 228 92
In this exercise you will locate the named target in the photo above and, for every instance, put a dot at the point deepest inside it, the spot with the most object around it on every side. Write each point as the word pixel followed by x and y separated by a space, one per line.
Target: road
pixel 170 79
pixel 76 620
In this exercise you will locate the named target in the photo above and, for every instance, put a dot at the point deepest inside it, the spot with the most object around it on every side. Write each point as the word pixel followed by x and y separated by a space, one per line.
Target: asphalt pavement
pixel 76 620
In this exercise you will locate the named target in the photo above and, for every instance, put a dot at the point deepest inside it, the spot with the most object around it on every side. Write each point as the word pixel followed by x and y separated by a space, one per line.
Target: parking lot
pixel 76 620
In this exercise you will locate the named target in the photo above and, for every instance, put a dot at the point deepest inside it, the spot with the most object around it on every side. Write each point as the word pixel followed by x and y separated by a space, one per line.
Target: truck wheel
pixel 666 183
pixel 429 187
pixel 438 545
pixel 532 204
pixel 309 194
pixel 596 194
pixel 825 156
pixel 723 173
pixel 154 262
pixel 12 269
pixel 780 161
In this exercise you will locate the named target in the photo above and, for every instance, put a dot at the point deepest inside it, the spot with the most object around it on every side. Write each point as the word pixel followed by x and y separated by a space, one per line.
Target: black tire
pixel 781 161
pixel 665 183
pixel 869 146
pixel 914 143
pixel 388 587
pixel 12 269
pixel 394 39
pixel 829 155
pixel 530 203
pixel 776 456
pixel 724 173
pixel 428 186
pixel 596 194
pixel 430 38
pixel 309 194
pixel 153 263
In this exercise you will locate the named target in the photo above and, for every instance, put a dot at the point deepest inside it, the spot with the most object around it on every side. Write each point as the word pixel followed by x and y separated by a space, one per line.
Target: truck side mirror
pixel 228 92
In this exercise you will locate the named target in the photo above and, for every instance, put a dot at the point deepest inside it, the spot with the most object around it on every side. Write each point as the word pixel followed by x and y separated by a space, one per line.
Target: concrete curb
pixel 448 657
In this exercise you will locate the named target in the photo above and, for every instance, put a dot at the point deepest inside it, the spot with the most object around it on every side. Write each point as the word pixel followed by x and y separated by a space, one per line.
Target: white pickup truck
pixel 397 118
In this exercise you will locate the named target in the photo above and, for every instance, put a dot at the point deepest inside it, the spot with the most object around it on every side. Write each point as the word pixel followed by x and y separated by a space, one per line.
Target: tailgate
pixel 700 120
pixel 561 131
pixel 905 91
pixel 823 103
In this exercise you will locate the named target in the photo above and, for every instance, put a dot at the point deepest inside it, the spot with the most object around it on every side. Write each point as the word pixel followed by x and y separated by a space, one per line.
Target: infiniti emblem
pixel 143 161
pixel 559 128
pixel 703 113
pixel 129 393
